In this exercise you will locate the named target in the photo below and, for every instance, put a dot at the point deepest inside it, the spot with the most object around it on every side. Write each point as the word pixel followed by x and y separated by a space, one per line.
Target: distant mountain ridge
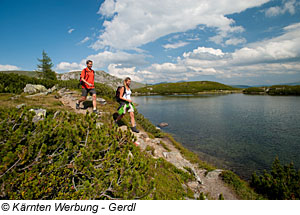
pixel 100 77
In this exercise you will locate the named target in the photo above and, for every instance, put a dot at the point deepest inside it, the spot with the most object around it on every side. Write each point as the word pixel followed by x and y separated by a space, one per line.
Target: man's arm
pixel 86 82
pixel 82 79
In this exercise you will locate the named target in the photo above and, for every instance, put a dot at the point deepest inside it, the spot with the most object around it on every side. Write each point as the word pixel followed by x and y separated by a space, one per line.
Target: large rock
pixel 40 114
pixel 37 94
pixel 20 106
pixel 51 90
pixel 32 88
pixel 163 124
pixel 100 100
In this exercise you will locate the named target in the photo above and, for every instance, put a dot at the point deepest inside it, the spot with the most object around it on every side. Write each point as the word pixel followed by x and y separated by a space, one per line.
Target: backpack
pixel 80 81
pixel 118 93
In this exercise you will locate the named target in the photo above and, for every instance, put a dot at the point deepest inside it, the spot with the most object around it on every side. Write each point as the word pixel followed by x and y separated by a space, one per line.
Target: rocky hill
pixel 100 77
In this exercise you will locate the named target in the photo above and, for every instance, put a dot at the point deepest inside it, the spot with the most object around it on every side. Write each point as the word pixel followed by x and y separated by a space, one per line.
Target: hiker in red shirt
pixel 87 82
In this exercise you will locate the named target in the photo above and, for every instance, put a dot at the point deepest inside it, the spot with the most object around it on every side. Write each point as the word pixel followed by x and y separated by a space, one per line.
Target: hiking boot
pixel 95 111
pixel 77 106
pixel 134 129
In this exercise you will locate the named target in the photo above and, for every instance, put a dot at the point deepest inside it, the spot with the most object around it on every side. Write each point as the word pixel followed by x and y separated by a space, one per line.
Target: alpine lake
pixel 242 133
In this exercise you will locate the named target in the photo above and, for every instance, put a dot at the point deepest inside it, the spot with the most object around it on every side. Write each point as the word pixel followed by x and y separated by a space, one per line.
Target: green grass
pixel 274 90
pixel 189 155
pixel 68 157
pixel 193 87
pixel 240 187
pixel 254 90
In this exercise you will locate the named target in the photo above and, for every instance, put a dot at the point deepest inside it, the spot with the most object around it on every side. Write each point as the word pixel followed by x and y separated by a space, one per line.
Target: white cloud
pixel 123 72
pixel 108 8
pixel 84 40
pixel 134 23
pixel 283 47
pixel 276 56
pixel 235 41
pixel 71 30
pixel 288 6
pixel 203 50
pixel 8 67
pixel 103 59
pixel 175 45
pixel 66 66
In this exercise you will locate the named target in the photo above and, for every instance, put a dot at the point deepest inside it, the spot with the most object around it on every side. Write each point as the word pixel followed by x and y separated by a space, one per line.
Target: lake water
pixel 243 133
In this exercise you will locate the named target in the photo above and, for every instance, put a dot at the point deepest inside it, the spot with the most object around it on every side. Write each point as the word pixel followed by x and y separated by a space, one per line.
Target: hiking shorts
pixel 85 91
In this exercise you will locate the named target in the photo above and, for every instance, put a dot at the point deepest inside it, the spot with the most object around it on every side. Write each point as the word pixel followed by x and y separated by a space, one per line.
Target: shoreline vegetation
pixel 59 152
pixel 209 87
pixel 181 88
pixel 273 90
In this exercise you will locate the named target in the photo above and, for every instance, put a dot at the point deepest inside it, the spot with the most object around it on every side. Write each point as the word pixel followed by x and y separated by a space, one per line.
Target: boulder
pixel 101 101
pixel 166 154
pixel 37 94
pixel 163 124
pixel 32 88
pixel 15 97
pixel 51 90
pixel 40 114
pixel 20 106
pixel 214 174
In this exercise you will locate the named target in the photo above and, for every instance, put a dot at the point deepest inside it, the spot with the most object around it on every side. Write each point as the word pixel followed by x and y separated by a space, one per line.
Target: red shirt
pixel 88 75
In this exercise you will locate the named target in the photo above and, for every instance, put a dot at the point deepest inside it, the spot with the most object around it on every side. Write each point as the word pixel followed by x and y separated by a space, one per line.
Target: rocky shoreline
pixel 209 183
pixel 206 183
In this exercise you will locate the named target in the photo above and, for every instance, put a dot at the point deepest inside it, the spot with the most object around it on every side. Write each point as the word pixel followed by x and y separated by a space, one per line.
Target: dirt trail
pixel 208 183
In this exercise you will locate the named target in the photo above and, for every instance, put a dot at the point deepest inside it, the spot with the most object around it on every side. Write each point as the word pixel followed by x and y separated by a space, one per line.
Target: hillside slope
pixel 100 77
pixel 193 87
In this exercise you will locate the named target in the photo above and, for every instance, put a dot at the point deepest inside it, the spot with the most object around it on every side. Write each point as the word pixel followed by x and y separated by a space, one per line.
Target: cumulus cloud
pixel 131 24
pixel 8 67
pixel 175 45
pixel 289 6
pixel 66 66
pixel 123 72
pixel 280 48
pixel 277 56
pixel 103 59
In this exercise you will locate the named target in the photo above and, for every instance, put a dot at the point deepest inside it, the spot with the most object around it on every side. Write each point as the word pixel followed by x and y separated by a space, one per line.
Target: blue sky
pixel 230 41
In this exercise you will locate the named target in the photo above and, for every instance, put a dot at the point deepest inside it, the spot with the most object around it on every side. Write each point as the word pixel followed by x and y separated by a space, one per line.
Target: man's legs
pixel 94 101
pixel 82 99
pixel 84 93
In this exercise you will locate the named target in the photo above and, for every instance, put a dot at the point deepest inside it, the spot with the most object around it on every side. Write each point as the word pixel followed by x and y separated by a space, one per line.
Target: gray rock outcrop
pixel 163 124
pixel 40 114
pixel 34 88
